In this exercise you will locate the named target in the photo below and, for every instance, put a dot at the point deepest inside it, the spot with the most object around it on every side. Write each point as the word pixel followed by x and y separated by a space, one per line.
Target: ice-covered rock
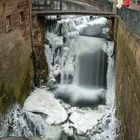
pixel 51 81
pixel 43 101
pixel 68 129
pixel 20 123
pixel 56 70
pixel 93 28
pixel 70 28
pixel 55 40
pixel 84 121
pixel 72 35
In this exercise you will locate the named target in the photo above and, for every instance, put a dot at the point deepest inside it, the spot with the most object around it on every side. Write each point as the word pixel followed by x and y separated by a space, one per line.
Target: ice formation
pixel 48 117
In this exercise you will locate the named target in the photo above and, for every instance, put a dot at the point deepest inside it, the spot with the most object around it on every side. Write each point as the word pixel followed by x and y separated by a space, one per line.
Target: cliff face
pixel 16 67
pixel 128 82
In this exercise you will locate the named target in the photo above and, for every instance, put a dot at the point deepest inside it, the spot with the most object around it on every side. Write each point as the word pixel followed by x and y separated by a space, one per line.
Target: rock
pixel 80 122
pixel 68 129
pixel 51 81
pixel 43 101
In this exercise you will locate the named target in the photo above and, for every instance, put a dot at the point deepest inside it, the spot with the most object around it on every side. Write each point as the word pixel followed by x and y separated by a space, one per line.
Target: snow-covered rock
pixel 21 123
pixel 43 101
pixel 55 40
pixel 51 81
pixel 68 129
pixel 93 28
pixel 86 120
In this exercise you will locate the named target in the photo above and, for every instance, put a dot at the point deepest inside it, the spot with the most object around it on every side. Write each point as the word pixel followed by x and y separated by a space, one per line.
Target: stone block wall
pixel 16 63
pixel 128 82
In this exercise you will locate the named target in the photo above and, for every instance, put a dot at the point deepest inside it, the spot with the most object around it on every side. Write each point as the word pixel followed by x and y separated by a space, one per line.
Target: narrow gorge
pixel 78 100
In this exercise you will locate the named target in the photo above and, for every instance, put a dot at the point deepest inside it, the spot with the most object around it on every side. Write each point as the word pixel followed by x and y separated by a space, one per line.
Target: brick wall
pixel 16 67
pixel 13 8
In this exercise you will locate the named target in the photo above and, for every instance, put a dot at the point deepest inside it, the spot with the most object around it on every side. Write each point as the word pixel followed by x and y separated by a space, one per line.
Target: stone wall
pixel 40 63
pixel 128 82
pixel 16 66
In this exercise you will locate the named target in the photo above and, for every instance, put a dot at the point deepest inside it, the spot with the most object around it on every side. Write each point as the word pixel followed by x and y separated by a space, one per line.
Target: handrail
pixel 105 5
pixel 131 18
pixel 43 5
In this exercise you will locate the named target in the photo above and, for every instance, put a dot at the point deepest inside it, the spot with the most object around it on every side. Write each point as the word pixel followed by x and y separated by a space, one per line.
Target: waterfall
pixel 91 65
pixel 83 62
pixel 70 29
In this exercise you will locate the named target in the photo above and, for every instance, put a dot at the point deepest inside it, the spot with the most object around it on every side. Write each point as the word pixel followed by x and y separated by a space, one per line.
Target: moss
pixel 16 91
pixel 6 95
pixel 16 69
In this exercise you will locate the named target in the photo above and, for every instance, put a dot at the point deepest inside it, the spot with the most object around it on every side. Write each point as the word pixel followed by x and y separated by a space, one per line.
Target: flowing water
pixel 78 101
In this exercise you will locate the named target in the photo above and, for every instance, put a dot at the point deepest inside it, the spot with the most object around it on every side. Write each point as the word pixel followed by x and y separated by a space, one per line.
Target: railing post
pixel 61 5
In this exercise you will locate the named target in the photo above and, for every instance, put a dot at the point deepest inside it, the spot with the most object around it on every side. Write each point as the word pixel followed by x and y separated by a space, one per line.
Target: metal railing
pixel 47 4
pixel 104 5
pixel 131 18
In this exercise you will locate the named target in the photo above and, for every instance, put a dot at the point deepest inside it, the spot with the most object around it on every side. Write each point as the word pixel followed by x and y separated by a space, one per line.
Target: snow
pixel 72 35
pixel 48 55
pixel 55 41
pixel 27 124
pixel 93 28
pixel 84 121
pixel 51 81
pixel 98 21
pixel 68 129
pixel 81 25
pixel 56 70
pixel 43 101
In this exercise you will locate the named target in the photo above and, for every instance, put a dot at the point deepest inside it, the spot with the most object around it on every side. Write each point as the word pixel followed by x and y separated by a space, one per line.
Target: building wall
pixel 16 66
pixel 40 61
pixel 128 82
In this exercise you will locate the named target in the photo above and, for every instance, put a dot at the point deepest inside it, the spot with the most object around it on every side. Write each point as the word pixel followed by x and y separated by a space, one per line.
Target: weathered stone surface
pixel 40 63
pixel 128 82
pixel 16 69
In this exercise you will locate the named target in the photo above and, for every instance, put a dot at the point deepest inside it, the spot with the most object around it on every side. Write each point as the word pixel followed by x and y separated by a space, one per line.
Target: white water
pixel 91 62
pixel 44 115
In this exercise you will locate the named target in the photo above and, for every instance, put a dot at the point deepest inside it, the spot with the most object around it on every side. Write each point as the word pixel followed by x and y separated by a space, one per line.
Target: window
pixel 8 24
pixel 21 17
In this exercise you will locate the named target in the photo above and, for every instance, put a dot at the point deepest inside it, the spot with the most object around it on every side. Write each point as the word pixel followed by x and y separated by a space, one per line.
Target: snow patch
pixel 86 120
